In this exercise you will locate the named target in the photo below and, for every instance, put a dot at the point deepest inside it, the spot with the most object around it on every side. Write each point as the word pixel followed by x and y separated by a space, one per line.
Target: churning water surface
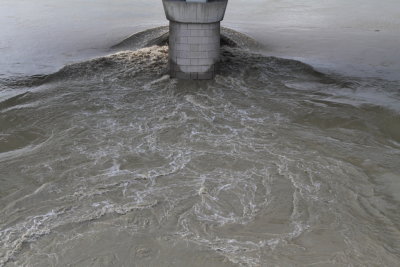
pixel 109 162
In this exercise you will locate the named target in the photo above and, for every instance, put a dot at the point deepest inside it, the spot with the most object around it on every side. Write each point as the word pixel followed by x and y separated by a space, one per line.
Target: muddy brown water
pixel 108 162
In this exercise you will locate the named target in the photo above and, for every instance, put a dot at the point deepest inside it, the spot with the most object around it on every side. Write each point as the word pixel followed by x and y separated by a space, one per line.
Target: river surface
pixel 289 157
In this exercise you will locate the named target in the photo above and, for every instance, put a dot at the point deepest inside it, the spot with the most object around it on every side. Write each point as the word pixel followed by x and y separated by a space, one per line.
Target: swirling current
pixel 109 162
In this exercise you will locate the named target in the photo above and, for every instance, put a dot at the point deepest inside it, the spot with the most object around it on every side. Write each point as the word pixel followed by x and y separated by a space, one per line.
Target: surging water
pixel 110 163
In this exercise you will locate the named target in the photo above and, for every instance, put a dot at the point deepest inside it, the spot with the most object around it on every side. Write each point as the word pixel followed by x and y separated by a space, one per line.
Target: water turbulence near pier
pixel 109 162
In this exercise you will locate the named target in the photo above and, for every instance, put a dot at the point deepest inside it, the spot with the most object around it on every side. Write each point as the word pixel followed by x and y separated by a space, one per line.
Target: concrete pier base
pixel 194 49
pixel 194 40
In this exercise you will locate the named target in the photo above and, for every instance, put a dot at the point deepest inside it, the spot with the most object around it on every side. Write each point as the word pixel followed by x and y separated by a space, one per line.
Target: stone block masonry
pixel 194 37
pixel 194 50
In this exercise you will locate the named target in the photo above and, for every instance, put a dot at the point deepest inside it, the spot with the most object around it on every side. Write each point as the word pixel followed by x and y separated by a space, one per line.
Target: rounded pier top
pixel 195 11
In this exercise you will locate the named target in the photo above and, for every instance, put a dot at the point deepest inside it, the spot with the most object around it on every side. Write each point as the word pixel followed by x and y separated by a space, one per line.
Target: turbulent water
pixel 109 162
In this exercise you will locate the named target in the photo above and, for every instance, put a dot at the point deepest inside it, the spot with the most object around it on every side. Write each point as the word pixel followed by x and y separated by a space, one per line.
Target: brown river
pixel 289 157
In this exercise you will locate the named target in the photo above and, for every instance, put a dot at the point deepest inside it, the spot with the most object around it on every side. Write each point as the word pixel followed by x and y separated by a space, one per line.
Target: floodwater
pixel 290 157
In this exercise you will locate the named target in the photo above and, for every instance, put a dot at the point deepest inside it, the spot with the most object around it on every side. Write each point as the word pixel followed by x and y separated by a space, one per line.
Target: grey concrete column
pixel 194 37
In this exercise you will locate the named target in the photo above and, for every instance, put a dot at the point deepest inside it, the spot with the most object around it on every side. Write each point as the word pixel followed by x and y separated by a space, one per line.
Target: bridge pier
pixel 194 37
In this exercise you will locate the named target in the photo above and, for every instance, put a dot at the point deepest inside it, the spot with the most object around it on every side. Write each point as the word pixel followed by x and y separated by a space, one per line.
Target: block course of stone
pixel 194 50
